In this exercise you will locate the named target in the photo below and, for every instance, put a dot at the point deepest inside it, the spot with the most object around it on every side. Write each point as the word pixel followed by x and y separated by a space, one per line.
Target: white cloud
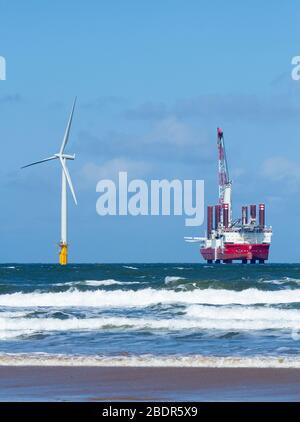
pixel 166 139
pixel 281 169
pixel 91 173
pixel 237 172
pixel 171 131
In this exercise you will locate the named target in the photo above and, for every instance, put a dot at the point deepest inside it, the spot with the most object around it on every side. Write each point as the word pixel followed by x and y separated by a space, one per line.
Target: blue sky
pixel 154 79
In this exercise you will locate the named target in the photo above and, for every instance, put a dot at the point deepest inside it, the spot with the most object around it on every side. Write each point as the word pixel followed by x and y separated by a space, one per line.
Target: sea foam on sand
pixel 196 361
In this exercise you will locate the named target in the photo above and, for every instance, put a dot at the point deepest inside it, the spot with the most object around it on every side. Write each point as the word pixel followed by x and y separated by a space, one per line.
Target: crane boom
pixel 224 180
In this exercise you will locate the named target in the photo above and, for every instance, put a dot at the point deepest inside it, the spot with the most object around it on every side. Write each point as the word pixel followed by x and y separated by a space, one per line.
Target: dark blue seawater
pixel 160 310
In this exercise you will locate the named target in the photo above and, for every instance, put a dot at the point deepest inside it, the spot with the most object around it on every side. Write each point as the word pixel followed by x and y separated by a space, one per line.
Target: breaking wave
pixel 148 297
pixel 281 281
pixel 195 318
pixel 242 317
pixel 109 282
pixel 97 283
pixel 171 279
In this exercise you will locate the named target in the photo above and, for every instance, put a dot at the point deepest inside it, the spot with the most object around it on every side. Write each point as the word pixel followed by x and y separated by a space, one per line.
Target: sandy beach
pixel 36 383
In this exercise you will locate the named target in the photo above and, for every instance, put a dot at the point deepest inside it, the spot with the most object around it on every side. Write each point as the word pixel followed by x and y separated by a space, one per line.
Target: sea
pixel 150 315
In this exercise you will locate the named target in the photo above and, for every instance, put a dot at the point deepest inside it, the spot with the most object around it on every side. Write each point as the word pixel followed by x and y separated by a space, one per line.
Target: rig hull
pixel 244 252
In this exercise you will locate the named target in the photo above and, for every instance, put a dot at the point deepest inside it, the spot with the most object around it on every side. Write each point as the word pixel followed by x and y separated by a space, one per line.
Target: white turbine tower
pixel 62 157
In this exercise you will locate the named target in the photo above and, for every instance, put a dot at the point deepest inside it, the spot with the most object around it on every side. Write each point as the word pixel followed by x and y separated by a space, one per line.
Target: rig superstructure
pixel 246 239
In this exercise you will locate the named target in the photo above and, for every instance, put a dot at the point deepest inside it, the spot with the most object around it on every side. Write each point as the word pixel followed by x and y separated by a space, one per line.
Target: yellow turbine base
pixel 63 254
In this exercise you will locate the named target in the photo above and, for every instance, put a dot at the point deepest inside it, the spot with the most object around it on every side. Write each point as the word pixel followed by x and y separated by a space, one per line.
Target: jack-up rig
pixel 244 239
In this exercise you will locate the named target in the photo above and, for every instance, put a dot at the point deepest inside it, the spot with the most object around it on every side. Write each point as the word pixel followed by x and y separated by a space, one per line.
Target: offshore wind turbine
pixel 65 179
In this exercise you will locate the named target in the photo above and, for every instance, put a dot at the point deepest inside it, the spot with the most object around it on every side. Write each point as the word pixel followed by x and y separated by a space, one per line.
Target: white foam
pixel 192 361
pixel 170 279
pixel 147 297
pixel 243 313
pixel 109 282
pixel 97 283
pixel 9 335
pixel 12 314
pixel 196 318
pixel 129 267
pixel 281 281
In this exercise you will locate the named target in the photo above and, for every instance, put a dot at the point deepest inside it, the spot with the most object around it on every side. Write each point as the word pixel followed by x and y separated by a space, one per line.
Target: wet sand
pixel 37 383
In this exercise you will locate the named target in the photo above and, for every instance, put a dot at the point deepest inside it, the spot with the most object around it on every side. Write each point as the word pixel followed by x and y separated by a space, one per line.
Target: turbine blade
pixel 67 132
pixel 68 179
pixel 41 161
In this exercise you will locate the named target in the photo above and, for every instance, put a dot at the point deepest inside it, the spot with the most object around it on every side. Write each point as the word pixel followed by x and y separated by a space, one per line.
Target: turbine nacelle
pixel 65 156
